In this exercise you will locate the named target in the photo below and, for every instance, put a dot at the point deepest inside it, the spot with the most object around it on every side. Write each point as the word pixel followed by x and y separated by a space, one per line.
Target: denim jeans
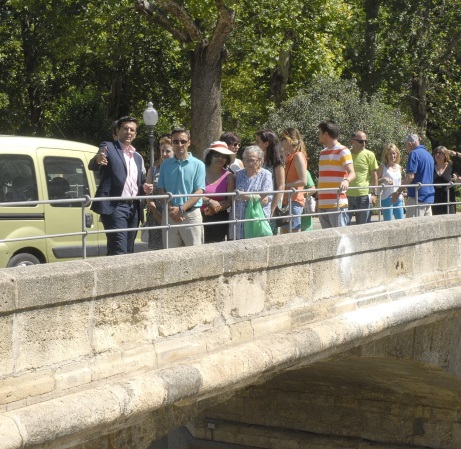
pixel 359 202
pixel 396 209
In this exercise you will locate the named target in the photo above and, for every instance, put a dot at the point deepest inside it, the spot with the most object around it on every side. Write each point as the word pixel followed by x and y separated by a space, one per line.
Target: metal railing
pixel 86 200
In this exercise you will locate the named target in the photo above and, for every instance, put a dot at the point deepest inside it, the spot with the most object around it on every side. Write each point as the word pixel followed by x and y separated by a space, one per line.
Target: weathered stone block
pixel 26 385
pixel 55 283
pixel 288 286
pixel 106 365
pixel 125 321
pixel 72 375
pixel 130 273
pixel 186 306
pixel 243 295
pixel 170 350
pixel 53 335
pixel 7 291
pixel 244 255
pixel 6 345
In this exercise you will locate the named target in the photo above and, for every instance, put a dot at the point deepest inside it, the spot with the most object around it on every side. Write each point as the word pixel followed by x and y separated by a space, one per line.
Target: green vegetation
pixel 70 68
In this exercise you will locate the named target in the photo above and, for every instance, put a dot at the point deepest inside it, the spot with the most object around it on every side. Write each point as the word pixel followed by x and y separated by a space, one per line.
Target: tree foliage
pixel 340 100
pixel 69 68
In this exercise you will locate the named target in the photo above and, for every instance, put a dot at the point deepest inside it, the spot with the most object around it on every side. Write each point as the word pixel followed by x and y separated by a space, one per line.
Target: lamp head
pixel 150 115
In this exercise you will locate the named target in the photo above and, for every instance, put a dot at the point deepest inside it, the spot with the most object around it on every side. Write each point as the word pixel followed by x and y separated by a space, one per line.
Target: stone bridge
pixel 342 338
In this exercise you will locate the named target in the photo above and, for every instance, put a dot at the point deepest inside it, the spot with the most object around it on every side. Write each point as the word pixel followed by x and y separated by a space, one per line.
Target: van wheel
pixel 22 260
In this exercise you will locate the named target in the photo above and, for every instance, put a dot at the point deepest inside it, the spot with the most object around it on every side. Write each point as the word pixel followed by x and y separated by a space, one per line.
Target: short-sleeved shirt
pixel 421 163
pixel 182 177
pixel 364 164
pixel 332 163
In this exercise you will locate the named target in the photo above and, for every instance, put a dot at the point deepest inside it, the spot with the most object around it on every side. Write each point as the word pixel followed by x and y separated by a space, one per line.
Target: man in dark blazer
pixel 121 175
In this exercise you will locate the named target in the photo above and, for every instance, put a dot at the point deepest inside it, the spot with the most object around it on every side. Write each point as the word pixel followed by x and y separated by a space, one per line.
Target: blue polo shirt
pixel 182 177
pixel 421 163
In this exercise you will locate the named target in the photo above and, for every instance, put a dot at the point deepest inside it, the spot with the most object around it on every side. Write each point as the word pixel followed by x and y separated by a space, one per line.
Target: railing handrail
pixel 234 196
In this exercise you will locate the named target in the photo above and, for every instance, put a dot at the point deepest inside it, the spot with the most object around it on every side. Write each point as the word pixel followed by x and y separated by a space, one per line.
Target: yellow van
pixel 36 169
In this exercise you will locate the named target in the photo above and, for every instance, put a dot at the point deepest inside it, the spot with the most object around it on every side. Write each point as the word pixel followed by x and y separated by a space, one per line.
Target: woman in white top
pixel 233 143
pixel 390 174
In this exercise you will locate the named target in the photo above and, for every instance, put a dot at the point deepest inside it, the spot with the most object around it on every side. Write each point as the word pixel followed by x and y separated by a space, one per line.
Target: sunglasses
pixel 181 141
pixel 222 156
pixel 361 140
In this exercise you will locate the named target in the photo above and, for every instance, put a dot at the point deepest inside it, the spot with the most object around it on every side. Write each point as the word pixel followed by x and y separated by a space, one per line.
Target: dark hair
pixel 180 131
pixel 126 119
pixel 274 154
pixel 210 155
pixel 230 138
pixel 330 127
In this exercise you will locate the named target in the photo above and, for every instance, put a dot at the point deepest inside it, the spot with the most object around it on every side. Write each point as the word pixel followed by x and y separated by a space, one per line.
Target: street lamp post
pixel 150 117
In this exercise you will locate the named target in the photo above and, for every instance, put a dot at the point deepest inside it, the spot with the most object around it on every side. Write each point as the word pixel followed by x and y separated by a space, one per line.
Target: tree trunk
pixel 30 49
pixel 369 74
pixel 206 120
pixel 280 75
pixel 419 85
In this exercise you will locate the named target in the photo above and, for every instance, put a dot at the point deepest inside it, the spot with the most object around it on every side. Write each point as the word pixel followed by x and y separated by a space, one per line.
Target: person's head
pixel 359 141
pixel 441 155
pixel 411 142
pixel 231 139
pixel 218 153
pixel 253 158
pixel 391 154
pixel 328 128
pixel 270 144
pixel 126 129
pixel 292 140
pixel 166 151
pixel 180 139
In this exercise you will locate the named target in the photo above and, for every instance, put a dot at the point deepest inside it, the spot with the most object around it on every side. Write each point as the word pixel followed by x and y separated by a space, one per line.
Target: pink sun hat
pixel 220 147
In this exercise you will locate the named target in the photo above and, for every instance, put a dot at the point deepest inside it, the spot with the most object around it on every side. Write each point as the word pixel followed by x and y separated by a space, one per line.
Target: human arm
pixel 344 184
pixel 279 185
pixel 101 158
pixel 374 183
pixel 409 177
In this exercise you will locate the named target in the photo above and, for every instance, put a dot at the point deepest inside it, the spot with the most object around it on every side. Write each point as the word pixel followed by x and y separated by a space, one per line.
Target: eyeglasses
pixel 181 141
pixel 361 140
pixel 251 161
pixel 223 156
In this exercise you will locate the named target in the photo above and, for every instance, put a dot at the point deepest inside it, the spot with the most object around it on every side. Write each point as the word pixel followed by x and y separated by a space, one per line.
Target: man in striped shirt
pixel 336 171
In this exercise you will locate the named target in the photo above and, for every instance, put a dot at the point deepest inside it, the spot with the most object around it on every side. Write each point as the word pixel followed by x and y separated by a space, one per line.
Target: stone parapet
pixel 127 335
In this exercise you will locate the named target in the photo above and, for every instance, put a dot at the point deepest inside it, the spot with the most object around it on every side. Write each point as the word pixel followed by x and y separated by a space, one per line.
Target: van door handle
pixel 89 220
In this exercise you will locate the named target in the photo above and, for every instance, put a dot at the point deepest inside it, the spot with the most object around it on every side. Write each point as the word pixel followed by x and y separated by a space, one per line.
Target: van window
pixel 17 178
pixel 66 178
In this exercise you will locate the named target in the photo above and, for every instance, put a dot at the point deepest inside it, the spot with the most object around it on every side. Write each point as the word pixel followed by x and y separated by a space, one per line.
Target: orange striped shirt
pixel 331 172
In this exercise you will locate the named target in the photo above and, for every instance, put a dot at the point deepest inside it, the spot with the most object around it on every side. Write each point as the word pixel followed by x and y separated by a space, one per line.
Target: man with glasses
pixel 360 196
pixel 183 174
pixel 420 169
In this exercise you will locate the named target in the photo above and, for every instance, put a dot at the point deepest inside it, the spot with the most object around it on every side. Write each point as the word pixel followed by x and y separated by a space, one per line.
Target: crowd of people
pixel 202 192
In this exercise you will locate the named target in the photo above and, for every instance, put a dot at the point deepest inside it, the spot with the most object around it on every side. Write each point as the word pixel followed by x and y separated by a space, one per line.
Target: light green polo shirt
pixel 364 164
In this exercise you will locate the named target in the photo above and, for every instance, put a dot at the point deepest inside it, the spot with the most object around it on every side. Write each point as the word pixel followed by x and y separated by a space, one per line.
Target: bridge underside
pixel 399 391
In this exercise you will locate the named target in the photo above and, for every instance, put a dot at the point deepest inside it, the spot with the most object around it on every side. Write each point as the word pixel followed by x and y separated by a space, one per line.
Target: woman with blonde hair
pixel 390 174
pixel 295 175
